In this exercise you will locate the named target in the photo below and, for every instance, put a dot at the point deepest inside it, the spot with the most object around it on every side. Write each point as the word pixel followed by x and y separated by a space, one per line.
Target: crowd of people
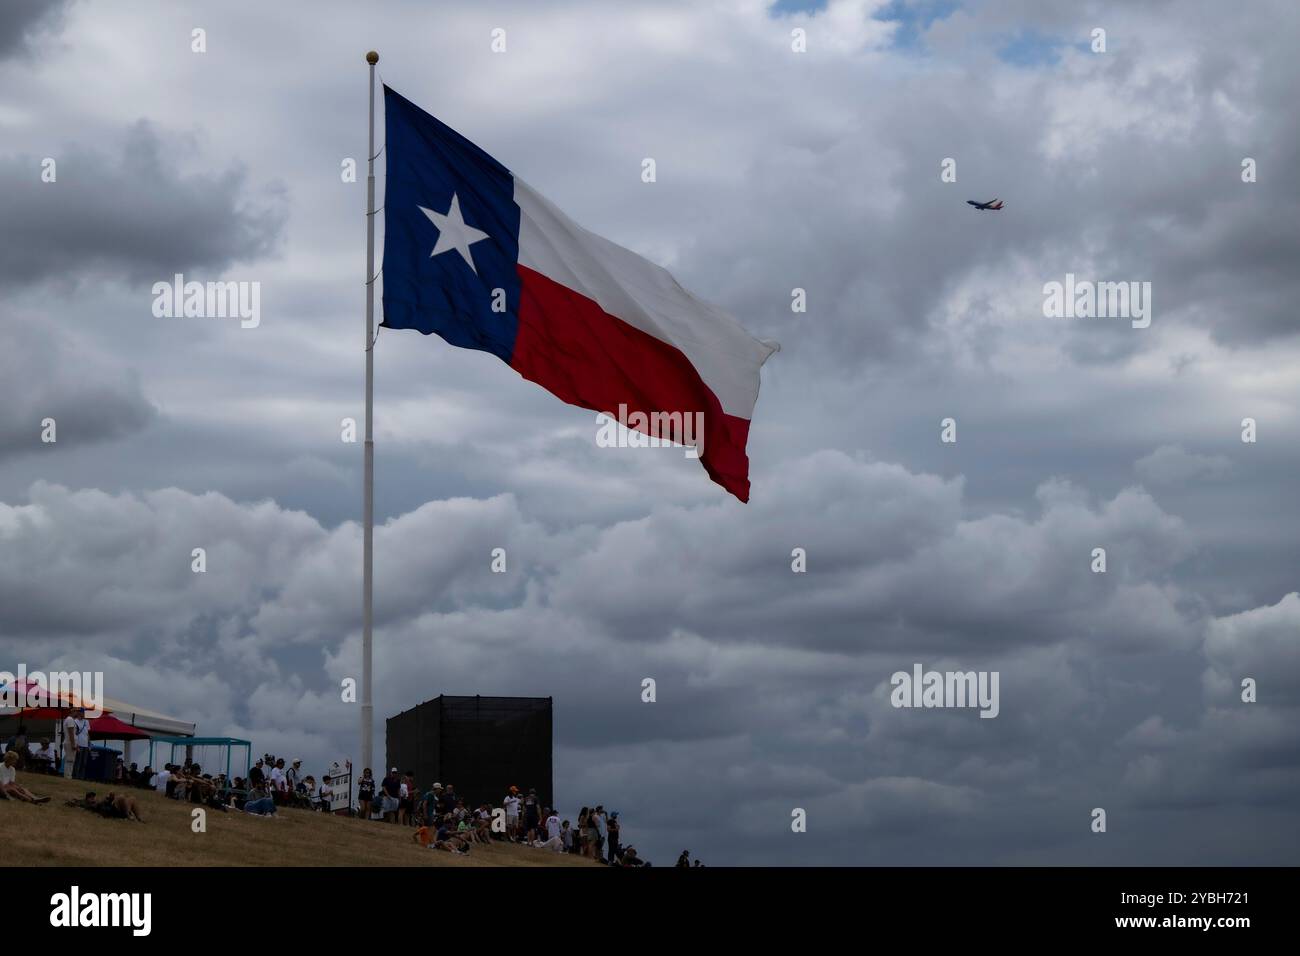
pixel 442 820
pixel 439 817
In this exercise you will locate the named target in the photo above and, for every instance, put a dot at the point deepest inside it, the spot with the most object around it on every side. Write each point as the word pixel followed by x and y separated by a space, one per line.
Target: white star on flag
pixel 453 233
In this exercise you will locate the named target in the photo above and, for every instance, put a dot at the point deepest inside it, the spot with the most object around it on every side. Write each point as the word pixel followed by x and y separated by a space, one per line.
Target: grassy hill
pixel 53 834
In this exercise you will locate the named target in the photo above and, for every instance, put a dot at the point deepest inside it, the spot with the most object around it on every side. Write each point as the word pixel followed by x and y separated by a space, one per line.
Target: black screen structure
pixel 480 745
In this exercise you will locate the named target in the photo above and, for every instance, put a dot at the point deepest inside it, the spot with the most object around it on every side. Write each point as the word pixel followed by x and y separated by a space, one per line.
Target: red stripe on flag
pixel 574 349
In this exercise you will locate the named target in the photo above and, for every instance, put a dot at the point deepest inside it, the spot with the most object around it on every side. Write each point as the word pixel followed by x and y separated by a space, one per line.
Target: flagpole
pixel 368 496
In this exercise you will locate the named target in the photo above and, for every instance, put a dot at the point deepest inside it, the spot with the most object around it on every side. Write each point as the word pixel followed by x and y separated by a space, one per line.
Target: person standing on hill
pixel 602 828
pixel 391 786
pixel 76 741
pixel 612 838
pixel 449 799
pixel 365 793
pixel 511 804
pixel 532 816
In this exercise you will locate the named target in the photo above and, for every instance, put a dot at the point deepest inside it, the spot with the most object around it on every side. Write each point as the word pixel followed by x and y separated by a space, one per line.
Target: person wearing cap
pixel 430 805
pixel 511 803
pixel 612 830
pixel 391 787
pixel 293 774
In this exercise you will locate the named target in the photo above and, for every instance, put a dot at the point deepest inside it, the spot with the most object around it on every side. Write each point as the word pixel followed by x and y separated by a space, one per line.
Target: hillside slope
pixel 53 834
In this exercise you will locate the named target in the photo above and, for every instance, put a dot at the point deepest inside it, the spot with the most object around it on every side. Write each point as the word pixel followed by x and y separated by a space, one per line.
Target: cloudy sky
pixel 776 170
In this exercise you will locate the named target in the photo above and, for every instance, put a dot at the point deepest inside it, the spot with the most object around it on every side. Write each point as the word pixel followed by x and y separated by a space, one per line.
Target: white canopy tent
pixel 142 718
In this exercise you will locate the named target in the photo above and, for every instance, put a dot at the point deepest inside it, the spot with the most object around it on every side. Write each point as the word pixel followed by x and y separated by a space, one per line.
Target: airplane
pixel 995 205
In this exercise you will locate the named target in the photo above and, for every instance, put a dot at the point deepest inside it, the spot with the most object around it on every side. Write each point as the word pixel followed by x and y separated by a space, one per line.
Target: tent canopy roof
pixel 109 727
pixel 200 741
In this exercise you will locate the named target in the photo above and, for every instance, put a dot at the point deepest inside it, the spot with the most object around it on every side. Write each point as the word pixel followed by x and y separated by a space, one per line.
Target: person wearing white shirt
pixel 278 781
pixel 160 779
pixel 554 841
pixel 76 743
pixel 512 813
pixel 9 785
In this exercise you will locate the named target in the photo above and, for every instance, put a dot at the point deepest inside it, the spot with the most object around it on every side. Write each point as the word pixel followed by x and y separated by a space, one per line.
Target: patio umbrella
pixel 109 727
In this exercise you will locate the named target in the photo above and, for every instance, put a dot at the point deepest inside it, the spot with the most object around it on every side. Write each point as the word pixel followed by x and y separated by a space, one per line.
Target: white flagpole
pixel 368 497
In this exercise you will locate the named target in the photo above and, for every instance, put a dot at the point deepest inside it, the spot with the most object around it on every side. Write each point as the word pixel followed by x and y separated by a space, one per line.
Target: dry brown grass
pixel 53 834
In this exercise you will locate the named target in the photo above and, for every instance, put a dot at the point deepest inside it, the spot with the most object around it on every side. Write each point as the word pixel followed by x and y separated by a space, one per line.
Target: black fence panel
pixel 480 745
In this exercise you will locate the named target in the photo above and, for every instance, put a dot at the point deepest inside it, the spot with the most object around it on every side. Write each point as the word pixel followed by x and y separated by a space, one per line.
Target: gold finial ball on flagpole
pixel 372 57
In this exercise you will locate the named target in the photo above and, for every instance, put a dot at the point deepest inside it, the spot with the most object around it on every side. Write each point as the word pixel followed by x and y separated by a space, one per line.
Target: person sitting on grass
pixel 465 831
pixel 630 858
pixel 307 794
pixel 177 781
pixel 208 792
pixel 259 802
pixel 161 780
pixel 483 824
pixel 9 785
pixel 554 839
pixel 45 757
pixel 448 840
pixel 199 787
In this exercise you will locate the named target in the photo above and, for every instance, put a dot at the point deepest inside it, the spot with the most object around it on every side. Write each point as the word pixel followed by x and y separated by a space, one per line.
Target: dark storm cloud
pixel 134 215
pixel 23 20
pixel 802 713
pixel 44 374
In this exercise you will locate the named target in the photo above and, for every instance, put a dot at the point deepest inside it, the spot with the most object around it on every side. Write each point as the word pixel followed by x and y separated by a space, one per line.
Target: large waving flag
pixel 473 253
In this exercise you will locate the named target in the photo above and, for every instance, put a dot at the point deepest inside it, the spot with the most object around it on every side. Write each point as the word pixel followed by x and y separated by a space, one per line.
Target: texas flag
pixel 473 253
